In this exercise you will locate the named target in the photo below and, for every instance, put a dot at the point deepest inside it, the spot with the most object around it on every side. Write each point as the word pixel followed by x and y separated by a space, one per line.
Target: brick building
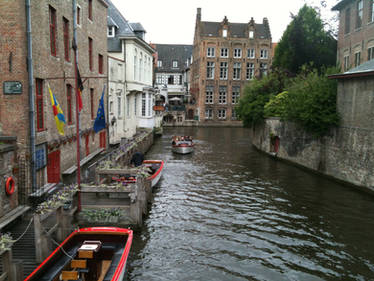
pixel 226 56
pixel 356 32
pixel 25 103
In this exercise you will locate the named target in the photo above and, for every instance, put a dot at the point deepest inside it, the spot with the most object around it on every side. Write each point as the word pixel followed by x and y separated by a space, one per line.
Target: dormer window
pixel 159 63
pixel 224 33
pixel 111 31
pixel 175 63
pixel 251 34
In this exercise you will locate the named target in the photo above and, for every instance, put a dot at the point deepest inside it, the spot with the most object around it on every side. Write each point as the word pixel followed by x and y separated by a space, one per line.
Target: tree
pixel 305 42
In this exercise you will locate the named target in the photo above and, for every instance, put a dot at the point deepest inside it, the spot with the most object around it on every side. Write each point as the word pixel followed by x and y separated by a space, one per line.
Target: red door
pixel 53 168
pixel 103 139
pixel 87 145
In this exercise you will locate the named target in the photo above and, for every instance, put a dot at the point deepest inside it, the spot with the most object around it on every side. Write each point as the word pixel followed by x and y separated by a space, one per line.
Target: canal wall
pixel 346 154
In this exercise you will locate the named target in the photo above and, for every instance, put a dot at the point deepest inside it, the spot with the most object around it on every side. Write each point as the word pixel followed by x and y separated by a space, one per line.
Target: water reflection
pixel 228 212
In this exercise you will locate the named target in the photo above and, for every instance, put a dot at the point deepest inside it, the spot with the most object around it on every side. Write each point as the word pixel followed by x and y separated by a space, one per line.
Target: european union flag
pixel 100 117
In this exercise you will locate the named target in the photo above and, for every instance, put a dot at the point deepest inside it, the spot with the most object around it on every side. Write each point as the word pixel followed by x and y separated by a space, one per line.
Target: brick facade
pixel 356 32
pixel 53 70
pixel 244 49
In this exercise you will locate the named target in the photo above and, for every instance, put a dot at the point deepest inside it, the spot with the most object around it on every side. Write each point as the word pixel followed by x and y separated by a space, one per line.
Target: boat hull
pixel 182 149
pixel 116 241
pixel 155 178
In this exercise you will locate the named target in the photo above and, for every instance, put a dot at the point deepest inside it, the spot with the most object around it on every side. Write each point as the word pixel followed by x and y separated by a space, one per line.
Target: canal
pixel 229 212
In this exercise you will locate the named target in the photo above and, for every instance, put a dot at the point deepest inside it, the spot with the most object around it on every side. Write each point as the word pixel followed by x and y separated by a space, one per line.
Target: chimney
pixel 198 15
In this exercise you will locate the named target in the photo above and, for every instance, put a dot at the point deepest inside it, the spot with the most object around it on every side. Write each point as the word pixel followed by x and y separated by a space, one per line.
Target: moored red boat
pixel 156 167
pixel 95 253
pixel 182 144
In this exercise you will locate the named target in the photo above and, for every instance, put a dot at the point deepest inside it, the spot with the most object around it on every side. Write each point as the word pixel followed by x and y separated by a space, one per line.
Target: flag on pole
pixel 80 90
pixel 100 116
pixel 57 112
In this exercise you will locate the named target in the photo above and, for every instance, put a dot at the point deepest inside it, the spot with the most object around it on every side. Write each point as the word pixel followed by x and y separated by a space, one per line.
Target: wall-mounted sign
pixel 12 88
pixel 41 156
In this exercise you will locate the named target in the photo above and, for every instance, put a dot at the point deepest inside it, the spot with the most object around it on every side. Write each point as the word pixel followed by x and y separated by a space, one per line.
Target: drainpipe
pixel 31 96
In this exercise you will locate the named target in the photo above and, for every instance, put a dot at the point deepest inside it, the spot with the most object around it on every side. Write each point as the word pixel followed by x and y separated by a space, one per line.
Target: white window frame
pixel 236 71
pixel 221 114
pixel 371 53
pixel 264 68
pixel 237 53
pixel 371 11
pixel 111 31
pixel 223 70
pixel 250 71
pixel 209 95
pixel 235 96
pixel 210 52
pixel 264 54
pixel 346 62
pixel 251 53
pixel 210 70
pixel 144 104
pixel 175 63
pixel 222 96
pixel 224 52
pixel 251 34
pixel 357 56
pixel 208 113
pixel 159 63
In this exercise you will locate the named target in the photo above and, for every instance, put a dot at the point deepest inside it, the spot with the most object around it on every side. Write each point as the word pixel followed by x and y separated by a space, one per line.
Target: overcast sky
pixel 173 21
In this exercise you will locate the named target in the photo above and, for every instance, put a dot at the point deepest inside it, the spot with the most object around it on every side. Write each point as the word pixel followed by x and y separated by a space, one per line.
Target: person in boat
pixel 137 159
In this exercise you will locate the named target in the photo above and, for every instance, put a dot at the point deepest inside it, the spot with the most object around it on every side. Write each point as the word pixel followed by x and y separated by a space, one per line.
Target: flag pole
pixel 76 102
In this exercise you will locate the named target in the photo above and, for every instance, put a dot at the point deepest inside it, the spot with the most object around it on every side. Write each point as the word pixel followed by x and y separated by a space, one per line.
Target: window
pixel 263 69
pixel 175 63
pixel 357 58
pixel 236 73
pixel 224 53
pixel 119 105
pixel 251 34
pixel 371 10
pixel 234 115
pixel 235 95
pixel 111 32
pixel 210 52
pixel 347 20
pixel 135 64
pixel 149 105
pixel 159 63
pixel 135 105
pixel 128 106
pixel 92 107
pixel 66 39
pixel 346 63
pixel 52 30
pixel 69 97
pixel 101 61
pixel 90 61
pixel 370 53
pixel 209 95
pixel 359 13
pixel 222 95
pixel 209 113
pixel 140 66
pixel 39 105
pixel 237 53
pixel 90 9
pixel 158 79
pixel 180 79
pixel 144 100
pixel 171 80
pixel 221 114
pixel 263 54
pixel 251 53
pixel 223 70
pixel 250 71
pixel 210 70
pixel 224 33
pixel 78 15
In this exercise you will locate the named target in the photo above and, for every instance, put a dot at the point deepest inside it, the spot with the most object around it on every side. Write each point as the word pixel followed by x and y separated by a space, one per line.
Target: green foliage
pixel 305 42
pixel 311 101
pixel 276 106
pixel 256 94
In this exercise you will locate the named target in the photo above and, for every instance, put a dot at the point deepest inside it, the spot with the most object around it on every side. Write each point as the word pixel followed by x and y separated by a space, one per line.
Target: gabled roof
pixel 365 69
pixel 167 53
pixel 341 5
pixel 236 29
pixel 124 29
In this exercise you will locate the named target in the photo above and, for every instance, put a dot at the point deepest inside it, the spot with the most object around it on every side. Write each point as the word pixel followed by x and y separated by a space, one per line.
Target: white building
pixel 132 97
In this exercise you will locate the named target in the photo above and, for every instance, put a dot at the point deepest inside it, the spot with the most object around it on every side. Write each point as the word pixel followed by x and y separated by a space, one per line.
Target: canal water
pixel 229 212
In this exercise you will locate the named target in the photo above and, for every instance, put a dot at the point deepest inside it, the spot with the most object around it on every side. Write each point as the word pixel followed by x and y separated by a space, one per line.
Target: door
pixel 53 168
